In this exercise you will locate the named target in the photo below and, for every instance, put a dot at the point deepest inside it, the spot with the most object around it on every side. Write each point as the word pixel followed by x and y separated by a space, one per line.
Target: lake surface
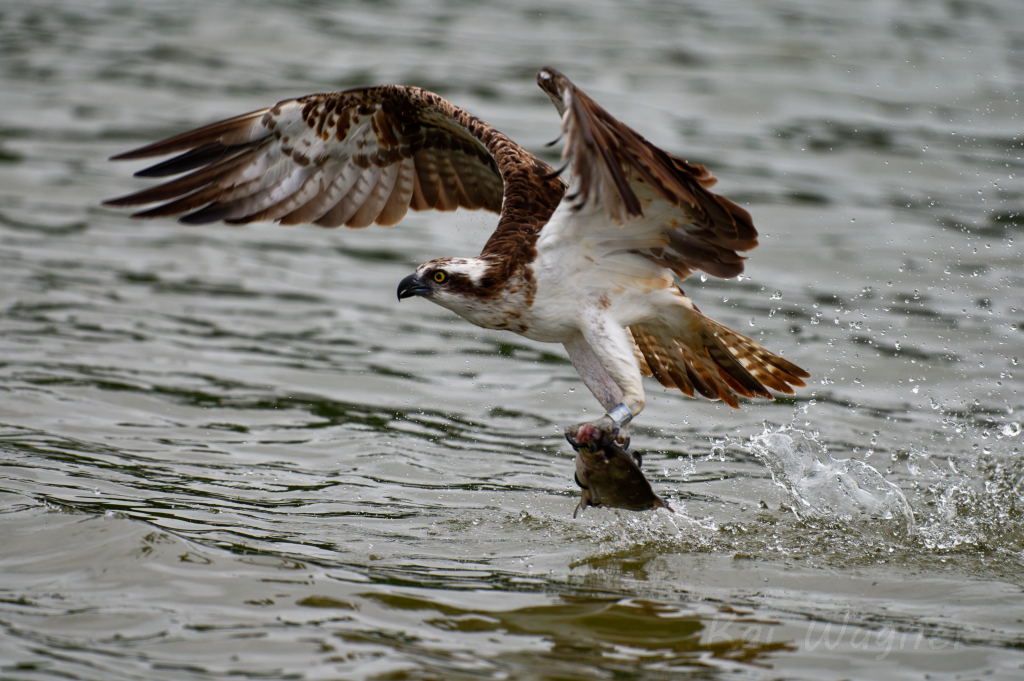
pixel 228 452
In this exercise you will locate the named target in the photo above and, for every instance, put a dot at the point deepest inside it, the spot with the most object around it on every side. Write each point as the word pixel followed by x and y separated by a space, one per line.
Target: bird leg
pixel 620 416
pixel 612 375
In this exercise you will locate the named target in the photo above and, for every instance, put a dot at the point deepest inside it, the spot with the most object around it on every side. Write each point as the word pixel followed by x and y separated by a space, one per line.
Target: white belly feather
pixel 583 267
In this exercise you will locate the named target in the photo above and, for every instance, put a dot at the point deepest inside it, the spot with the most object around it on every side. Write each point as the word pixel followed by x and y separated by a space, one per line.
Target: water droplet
pixel 703 277
pixel 776 295
pixel 751 322
pixel 898 346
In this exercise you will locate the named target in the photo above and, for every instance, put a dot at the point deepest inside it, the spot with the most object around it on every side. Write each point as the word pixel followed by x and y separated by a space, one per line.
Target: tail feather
pixel 678 365
pixel 715 362
pixel 657 362
pixel 639 354
pixel 732 370
pixel 705 378
pixel 766 367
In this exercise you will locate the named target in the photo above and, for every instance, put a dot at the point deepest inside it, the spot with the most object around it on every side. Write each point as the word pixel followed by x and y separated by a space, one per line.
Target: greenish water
pixel 230 453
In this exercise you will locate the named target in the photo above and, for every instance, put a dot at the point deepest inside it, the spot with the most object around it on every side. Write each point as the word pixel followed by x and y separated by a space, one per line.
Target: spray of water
pixel 824 489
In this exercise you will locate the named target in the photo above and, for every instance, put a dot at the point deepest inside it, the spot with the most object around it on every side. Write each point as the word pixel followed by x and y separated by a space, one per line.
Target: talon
pixel 572 442
pixel 638 458
pixel 578 483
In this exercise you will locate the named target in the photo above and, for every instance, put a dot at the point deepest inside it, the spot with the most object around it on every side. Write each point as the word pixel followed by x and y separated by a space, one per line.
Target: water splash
pixel 624 534
pixel 822 488
pixel 975 500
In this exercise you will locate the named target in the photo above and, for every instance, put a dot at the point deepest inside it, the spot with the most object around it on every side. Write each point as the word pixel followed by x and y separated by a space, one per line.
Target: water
pixel 228 452
pixel 847 492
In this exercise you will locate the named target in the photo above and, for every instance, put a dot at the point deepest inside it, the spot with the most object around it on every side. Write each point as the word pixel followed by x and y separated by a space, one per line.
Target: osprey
pixel 592 264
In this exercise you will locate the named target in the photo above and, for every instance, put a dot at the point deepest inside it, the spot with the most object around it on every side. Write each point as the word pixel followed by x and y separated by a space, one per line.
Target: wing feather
pixel 350 158
pixel 448 190
pixel 230 132
pixel 428 182
pixel 183 185
pixel 375 200
pixel 401 195
pixel 206 155
pixel 312 187
pixel 331 191
pixel 236 203
pixel 349 204
pixel 635 182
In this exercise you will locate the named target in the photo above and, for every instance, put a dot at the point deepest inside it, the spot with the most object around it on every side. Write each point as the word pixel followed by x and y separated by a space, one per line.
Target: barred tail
pixel 706 357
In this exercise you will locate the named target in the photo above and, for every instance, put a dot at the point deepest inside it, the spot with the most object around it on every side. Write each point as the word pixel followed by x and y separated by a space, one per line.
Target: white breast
pixel 584 265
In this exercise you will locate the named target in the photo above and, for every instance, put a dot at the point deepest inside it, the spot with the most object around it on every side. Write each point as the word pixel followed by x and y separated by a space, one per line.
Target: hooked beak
pixel 411 286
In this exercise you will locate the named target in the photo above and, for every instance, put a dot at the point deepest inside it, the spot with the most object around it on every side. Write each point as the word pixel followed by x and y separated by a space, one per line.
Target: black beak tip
pixel 411 286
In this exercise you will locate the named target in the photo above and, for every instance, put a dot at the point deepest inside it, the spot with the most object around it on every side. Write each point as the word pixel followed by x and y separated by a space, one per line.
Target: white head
pixel 463 285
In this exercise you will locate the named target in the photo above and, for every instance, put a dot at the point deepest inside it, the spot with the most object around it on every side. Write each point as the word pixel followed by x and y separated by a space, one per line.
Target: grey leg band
pixel 620 415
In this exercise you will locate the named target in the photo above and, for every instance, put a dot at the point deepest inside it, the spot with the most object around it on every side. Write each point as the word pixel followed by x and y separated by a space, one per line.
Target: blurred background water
pixel 229 453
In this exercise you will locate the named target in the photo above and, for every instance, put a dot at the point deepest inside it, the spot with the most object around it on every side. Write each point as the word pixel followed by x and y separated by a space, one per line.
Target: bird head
pixel 459 284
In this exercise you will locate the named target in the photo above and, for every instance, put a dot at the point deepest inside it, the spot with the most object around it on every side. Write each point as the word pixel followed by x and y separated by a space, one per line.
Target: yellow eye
pixel 440 276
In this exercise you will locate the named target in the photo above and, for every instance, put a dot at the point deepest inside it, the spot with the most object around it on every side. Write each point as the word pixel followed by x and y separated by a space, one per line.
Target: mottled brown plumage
pixel 557 268
pixel 421 151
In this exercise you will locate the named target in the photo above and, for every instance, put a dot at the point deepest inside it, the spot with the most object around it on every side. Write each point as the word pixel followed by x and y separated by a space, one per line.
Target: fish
pixel 608 472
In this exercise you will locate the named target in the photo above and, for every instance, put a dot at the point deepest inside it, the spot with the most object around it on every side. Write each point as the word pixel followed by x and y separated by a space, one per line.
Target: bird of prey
pixel 593 264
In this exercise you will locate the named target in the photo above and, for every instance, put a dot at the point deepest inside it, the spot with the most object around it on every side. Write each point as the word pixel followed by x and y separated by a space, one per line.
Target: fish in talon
pixel 608 473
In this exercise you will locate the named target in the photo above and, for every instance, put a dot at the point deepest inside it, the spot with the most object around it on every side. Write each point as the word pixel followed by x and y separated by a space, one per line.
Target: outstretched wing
pixel 641 210
pixel 346 158
pixel 616 167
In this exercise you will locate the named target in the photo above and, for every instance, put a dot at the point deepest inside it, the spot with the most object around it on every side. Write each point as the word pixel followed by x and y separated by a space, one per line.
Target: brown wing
pixel 612 164
pixel 355 157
